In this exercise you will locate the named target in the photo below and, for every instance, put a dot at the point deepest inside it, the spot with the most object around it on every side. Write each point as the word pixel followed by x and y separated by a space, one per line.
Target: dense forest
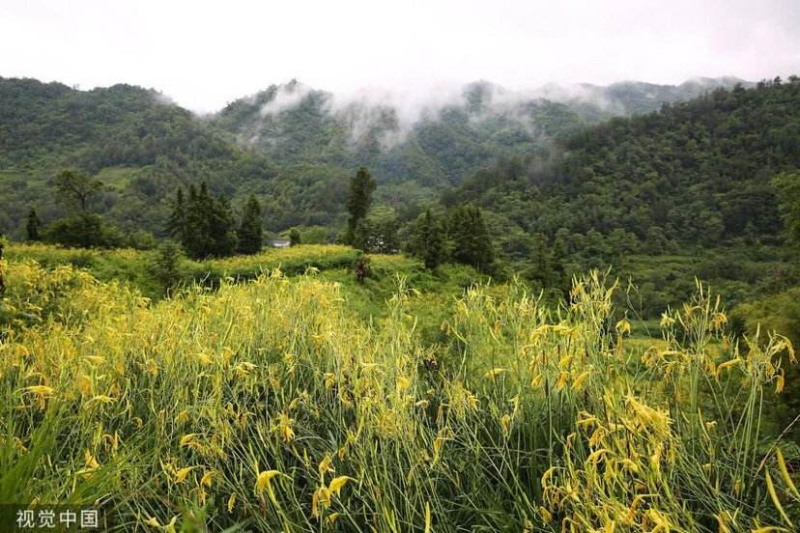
pixel 692 184
pixel 292 147
pixel 697 173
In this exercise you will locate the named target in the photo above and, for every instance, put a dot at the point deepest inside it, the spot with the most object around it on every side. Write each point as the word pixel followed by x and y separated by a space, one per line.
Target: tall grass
pixel 268 405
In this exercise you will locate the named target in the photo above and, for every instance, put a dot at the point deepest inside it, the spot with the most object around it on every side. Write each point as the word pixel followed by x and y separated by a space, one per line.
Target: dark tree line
pixel 205 225
pixel 459 236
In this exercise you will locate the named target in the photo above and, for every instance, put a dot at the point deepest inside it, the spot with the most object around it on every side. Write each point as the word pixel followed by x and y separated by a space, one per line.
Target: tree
pixel 176 224
pixel 788 186
pixel 541 270
pixel 208 225
pixel 363 235
pixel 76 189
pixel 82 231
pixel 250 232
pixel 221 228
pixel 165 267
pixel 429 242
pixel 194 235
pixel 294 237
pixel 472 244
pixel 657 242
pixel 33 226
pixel 359 201
pixel 377 232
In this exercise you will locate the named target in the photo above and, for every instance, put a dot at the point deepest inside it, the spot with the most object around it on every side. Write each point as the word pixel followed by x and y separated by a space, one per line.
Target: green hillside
pixel 291 146
pixel 694 180
pixel 135 141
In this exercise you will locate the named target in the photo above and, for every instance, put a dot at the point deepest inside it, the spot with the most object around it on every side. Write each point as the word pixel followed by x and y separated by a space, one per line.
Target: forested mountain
pixel 695 173
pixel 440 146
pixel 635 97
pixel 690 186
pixel 291 146
pixel 139 144
pixel 442 142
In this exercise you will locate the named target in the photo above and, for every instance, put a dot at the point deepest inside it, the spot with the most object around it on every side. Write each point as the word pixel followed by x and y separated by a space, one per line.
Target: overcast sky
pixel 204 54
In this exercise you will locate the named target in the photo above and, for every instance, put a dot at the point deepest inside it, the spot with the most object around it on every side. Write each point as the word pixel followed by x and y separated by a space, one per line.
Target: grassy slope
pixel 244 406
pixel 333 263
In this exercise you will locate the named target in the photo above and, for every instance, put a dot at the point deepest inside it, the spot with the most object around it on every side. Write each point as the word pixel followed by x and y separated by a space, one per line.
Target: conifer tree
pixel 166 266
pixel 33 226
pixel 472 244
pixel 221 228
pixel 250 231
pixel 363 235
pixel 208 225
pixel 195 224
pixel 429 241
pixel 361 187
pixel 176 224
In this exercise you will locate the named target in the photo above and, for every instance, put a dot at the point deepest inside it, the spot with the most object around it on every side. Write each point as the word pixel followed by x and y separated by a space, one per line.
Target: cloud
pixel 205 54
pixel 393 113
pixel 286 97
pixel 163 99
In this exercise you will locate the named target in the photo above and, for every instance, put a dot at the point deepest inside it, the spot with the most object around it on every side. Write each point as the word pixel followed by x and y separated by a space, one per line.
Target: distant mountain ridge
pixel 291 145
pixel 699 173
pixel 636 97
pixel 444 141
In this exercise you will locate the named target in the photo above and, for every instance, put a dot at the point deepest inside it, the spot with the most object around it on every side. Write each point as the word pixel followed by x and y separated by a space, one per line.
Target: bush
pixel 165 266
pixel 83 231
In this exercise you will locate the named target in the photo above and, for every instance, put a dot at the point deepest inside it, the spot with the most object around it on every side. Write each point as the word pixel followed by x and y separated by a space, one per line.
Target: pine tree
pixel 221 228
pixel 364 235
pixel 250 231
pixel 33 226
pixel 429 241
pixel 195 218
pixel 472 244
pixel 209 227
pixel 176 224
pixel 166 266
pixel 359 201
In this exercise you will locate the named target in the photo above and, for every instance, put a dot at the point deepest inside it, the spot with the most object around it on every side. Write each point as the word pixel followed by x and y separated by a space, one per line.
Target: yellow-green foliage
pixel 136 266
pixel 268 404
pixel 52 255
pixel 295 259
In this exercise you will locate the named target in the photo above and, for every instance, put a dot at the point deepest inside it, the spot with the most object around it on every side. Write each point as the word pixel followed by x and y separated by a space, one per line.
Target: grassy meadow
pixel 284 396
